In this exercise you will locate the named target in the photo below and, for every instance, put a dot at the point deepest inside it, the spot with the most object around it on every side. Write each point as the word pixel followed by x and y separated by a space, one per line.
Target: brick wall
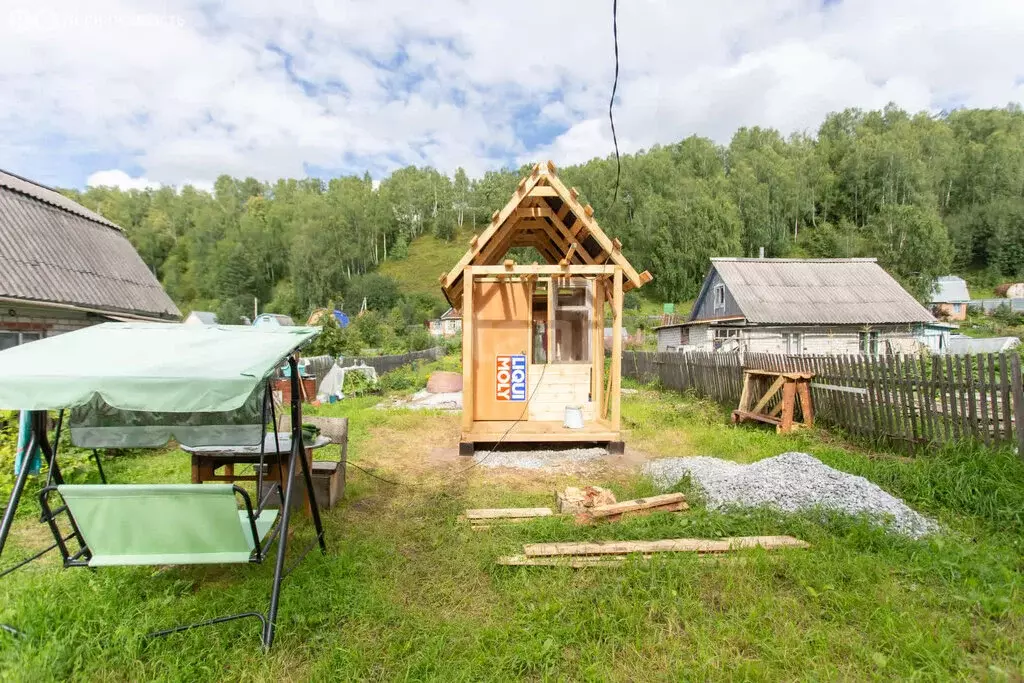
pixel 49 321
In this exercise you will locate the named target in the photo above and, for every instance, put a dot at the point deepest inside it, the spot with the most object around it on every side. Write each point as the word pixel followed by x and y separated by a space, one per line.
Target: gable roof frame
pixel 542 213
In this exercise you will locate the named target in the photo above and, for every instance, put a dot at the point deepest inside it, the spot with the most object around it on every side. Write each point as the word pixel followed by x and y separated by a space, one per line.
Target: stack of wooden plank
pixel 487 518
pixel 669 502
pixel 581 555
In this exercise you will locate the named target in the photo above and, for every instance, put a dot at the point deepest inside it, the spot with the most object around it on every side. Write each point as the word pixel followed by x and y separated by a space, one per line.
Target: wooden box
pixel 328 484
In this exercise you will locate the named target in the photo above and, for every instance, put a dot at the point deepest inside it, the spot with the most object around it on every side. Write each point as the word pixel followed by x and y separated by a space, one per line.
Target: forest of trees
pixel 925 194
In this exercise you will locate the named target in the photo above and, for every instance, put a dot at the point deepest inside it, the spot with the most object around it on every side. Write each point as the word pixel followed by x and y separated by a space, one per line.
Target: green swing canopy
pixel 141 384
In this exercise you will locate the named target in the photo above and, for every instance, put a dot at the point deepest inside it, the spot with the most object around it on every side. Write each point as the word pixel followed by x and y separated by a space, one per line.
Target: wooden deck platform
pixel 491 431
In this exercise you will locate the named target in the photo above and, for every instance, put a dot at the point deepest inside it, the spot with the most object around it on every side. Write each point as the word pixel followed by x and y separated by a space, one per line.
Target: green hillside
pixel 428 258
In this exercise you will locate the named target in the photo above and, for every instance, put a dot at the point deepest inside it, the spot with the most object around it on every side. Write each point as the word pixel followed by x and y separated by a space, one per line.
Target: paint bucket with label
pixel 573 417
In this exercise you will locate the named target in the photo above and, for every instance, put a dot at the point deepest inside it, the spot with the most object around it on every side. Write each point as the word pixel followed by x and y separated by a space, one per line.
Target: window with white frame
pixel 11 338
pixel 869 343
pixel 719 297
pixel 724 334
pixel 793 343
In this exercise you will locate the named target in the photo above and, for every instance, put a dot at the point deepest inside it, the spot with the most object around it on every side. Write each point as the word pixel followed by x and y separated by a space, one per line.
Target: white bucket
pixel 573 417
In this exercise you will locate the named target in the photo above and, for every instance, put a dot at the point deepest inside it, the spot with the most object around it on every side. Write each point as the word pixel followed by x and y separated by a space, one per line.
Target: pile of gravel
pixel 790 482
pixel 535 459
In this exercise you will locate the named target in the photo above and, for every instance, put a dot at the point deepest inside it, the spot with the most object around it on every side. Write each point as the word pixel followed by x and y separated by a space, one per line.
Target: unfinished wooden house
pixel 533 335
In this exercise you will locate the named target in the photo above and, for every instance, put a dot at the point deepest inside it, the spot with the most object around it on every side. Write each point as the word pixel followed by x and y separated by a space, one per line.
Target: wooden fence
pixel 384 364
pixel 911 399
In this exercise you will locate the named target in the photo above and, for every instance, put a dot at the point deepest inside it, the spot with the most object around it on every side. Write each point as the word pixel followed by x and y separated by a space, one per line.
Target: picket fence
pixel 915 400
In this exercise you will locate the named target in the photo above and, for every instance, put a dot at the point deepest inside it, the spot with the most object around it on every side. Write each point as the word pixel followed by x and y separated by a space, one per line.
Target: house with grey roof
pixel 63 267
pixel 200 318
pixel 950 298
pixel 799 306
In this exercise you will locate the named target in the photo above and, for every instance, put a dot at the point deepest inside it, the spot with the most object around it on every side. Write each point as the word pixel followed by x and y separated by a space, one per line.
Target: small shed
pixel 200 318
pixel 533 335
pixel 950 297
pixel 448 325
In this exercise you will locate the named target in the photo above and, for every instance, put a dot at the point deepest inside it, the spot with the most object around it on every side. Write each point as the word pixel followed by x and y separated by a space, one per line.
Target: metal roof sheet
pixel 53 250
pixel 818 291
pixel 50 196
pixel 950 289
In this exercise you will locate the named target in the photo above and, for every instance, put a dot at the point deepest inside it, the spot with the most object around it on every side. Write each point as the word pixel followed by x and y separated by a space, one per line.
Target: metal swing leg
pixel 12 503
pixel 99 465
pixel 282 545
pixel 297 453
pixel 208 622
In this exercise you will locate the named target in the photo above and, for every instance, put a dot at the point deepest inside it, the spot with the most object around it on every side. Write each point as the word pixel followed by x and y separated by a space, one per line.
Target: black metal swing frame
pixel 38 437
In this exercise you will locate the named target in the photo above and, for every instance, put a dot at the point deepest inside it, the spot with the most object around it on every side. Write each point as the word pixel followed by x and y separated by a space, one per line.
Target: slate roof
pixel 816 292
pixel 950 289
pixel 54 250
pixel 205 317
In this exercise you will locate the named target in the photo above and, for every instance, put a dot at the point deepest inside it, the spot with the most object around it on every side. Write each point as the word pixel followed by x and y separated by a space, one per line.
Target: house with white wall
pixel 799 306
pixel 448 325
pixel 64 267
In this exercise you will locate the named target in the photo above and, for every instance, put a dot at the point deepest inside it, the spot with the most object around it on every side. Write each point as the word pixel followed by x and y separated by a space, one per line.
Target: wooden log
pixel 671 545
pixel 508 513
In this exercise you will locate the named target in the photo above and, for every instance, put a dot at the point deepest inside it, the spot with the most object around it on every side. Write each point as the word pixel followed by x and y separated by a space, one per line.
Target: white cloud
pixel 119 179
pixel 266 89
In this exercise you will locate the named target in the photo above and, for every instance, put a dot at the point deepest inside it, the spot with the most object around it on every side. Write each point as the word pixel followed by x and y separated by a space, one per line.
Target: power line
pixel 615 86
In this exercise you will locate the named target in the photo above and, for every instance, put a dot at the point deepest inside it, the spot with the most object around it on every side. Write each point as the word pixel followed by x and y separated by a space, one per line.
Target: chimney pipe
pixel 760 252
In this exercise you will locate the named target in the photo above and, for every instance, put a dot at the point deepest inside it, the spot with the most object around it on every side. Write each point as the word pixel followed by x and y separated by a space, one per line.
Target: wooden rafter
pixel 528 220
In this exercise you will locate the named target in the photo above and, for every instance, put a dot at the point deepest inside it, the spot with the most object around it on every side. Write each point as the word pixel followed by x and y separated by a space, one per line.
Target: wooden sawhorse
pixel 793 386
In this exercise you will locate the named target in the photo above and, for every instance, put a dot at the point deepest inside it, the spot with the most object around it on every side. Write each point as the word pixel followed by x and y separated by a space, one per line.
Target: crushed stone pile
pixel 790 482
pixel 539 459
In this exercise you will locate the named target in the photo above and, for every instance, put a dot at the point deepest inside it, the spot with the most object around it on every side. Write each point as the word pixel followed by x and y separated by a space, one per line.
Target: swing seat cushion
pixel 139 524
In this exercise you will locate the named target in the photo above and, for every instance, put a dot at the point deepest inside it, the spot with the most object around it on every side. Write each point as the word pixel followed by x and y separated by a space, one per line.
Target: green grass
pixel 428 258
pixel 407 592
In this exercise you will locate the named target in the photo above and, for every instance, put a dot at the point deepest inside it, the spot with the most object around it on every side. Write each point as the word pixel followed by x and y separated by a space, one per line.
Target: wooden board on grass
pixel 670 545
pixel 508 513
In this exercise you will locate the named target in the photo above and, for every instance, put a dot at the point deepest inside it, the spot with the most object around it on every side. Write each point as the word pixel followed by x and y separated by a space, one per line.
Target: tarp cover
pixel 150 367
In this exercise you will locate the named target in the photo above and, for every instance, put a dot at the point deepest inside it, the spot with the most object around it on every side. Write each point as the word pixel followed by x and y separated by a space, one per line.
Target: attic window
pixel 719 297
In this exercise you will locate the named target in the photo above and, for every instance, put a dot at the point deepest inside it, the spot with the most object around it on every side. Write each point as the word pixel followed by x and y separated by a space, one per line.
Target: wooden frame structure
pixel 794 387
pixel 533 335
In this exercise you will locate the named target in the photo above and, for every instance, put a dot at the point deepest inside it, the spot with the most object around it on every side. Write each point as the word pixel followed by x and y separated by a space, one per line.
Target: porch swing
pixel 140 386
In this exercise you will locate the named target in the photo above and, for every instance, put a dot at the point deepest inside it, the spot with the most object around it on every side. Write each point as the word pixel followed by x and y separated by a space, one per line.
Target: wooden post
pixel 806 403
pixel 1018 401
pixel 788 399
pixel 597 387
pixel 552 297
pixel 467 350
pixel 616 371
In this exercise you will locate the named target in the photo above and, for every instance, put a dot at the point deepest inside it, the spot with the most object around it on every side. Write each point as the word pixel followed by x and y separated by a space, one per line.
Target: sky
pixel 134 93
